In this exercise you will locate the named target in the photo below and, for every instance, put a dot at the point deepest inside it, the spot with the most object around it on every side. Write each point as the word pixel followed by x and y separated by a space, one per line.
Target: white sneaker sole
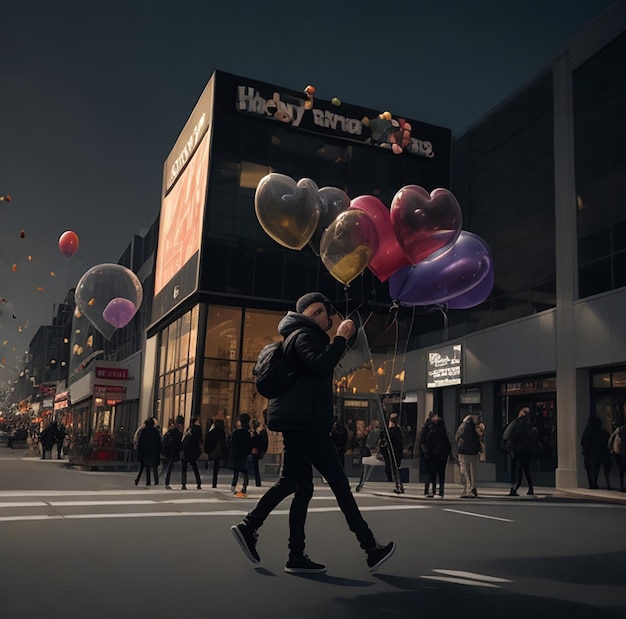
pixel 241 540
pixel 303 570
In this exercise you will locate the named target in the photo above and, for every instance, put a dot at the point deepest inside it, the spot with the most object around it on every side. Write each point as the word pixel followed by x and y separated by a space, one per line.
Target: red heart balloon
pixel 423 222
pixel 390 256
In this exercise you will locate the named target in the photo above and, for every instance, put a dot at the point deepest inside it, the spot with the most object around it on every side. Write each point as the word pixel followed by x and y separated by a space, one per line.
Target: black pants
pixel 436 468
pixel 169 467
pixel 216 470
pixel 240 465
pixel 257 471
pixel 592 466
pixel 390 465
pixel 304 450
pixel 149 469
pixel 522 459
pixel 196 472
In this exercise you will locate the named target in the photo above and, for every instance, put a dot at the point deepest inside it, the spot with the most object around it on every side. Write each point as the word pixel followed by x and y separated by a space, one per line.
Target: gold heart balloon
pixel 287 211
pixel 348 245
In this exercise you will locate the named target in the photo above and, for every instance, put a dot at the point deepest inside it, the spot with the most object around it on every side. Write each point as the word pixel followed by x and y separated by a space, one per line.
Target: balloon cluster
pixel 417 244
pixel 108 295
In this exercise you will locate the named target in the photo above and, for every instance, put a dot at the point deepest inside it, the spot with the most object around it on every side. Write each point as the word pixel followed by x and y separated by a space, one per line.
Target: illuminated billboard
pixel 444 367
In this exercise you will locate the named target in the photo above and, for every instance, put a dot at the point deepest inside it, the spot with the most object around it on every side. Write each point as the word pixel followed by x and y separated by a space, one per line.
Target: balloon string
pixel 346 292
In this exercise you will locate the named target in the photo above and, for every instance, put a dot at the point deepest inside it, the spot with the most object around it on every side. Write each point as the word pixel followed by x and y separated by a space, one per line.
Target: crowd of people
pixel 159 454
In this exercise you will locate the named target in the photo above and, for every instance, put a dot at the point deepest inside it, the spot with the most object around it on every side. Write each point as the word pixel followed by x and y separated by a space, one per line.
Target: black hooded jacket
pixel 307 405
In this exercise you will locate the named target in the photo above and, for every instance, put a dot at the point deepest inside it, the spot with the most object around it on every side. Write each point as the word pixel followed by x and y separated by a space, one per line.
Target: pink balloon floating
pixel 119 312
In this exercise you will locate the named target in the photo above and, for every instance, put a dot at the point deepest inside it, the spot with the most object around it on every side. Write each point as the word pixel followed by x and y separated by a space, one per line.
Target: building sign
pixel 61 400
pixel 112 373
pixel 444 367
pixel 109 393
pixel 382 130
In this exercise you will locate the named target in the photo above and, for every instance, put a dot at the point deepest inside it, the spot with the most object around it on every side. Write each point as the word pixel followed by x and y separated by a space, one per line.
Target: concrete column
pixel 566 274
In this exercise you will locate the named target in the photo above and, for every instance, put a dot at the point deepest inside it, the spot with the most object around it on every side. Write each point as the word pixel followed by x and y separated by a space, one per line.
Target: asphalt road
pixel 89 544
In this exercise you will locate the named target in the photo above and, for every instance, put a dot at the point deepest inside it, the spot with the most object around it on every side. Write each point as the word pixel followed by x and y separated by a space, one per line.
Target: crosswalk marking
pixel 458 511
pixel 460 577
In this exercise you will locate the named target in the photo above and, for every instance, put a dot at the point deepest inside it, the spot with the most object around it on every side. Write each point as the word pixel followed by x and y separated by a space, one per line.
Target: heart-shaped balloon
pixel 445 275
pixel 105 294
pixel 425 223
pixel 390 256
pixel 476 295
pixel 287 211
pixel 332 201
pixel 348 244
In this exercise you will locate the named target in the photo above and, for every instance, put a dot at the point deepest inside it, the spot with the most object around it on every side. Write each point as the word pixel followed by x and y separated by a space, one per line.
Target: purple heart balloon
pixel 476 295
pixel 445 275
pixel 425 223
pixel 119 312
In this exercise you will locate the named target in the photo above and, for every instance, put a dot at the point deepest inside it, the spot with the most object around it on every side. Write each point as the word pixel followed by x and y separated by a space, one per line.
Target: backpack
pixel 274 372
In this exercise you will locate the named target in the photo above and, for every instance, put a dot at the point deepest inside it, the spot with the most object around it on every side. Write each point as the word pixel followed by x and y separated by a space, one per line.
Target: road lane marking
pixel 23 504
pixel 472 575
pixel 169 514
pixel 458 511
pixel 92 503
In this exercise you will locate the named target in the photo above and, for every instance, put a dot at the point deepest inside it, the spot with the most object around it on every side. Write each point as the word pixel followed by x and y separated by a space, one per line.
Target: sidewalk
pixel 493 490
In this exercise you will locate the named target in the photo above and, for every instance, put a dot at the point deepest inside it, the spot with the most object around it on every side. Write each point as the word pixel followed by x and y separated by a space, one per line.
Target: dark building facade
pixel 221 283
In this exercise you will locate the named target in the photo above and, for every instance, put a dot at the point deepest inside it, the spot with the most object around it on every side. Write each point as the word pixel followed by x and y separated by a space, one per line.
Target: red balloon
pixel 68 243
pixel 425 223
pixel 390 256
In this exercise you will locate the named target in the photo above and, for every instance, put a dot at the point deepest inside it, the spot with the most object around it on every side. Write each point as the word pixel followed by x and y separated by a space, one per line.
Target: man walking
pixel 304 414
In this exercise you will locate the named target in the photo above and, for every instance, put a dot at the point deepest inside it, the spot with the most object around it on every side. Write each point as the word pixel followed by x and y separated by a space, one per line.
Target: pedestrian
pixel 172 445
pixel 47 439
pixel 192 442
pixel 392 456
pixel 215 447
pixel 595 448
pixel 149 452
pixel 617 447
pixel 371 441
pixel 241 447
pixel 468 450
pixel 339 435
pixel 435 447
pixel 60 439
pixel 304 415
pixel 260 443
pixel 523 443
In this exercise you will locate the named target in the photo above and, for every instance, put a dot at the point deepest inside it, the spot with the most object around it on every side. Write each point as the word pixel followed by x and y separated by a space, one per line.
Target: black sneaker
pixel 301 564
pixel 379 554
pixel 246 538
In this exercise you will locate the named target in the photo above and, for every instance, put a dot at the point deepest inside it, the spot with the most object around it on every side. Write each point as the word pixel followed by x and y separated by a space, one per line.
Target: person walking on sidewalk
pixel 172 445
pixel 523 442
pixel 435 447
pixel 191 452
pixel 468 450
pixel 149 452
pixel 304 414
pixel 260 443
pixel 215 447
pixel 241 447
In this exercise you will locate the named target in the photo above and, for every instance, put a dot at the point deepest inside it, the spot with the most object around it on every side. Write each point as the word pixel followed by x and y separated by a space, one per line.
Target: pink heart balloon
pixel 390 256
pixel 423 222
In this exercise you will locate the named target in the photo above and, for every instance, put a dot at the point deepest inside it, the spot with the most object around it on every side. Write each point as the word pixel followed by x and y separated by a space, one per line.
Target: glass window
pixel 601 380
pixel 260 329
pixel 594 278
pixel 218 402
pixel 594 246
pixel 223 332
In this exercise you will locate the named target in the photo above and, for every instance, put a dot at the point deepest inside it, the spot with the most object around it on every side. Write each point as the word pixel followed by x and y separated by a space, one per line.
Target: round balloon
pixel 390 256
pixel 332 201
pixel 425 223
pixel 119 312
pixel 287 211
pixel 348 244
pixel 100 294
pixel 476 295
pixel 68 243
pixel 445 275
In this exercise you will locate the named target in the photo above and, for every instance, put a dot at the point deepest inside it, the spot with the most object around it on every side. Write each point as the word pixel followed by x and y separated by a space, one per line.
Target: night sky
pixel 94 94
